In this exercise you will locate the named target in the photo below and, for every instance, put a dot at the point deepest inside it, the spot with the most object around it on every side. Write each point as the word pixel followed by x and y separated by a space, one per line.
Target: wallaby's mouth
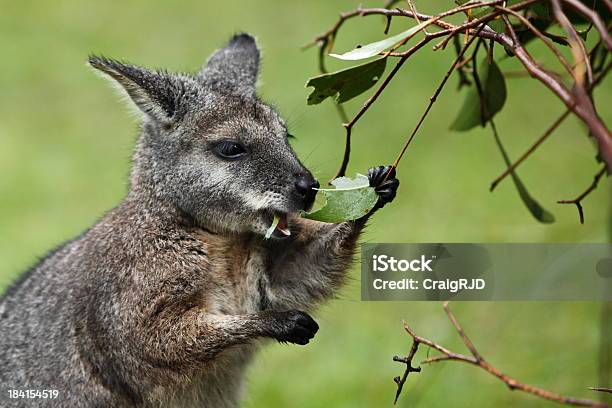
pixel 279 227
pixel 282 227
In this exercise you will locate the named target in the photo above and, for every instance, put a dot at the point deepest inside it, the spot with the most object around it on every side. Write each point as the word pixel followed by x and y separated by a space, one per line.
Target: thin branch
pixel 349 126
pixel 604 357
pixel 434 97
pixel 581 59
pixel 540 35
pixel 387 25
pixel 548 131
pixel 461 70
pixel 476 359
pixel 468 343
pixel 595 18
pixel 485 114
pixel 327 38
pixel 436 20
pixel 414 11
pixel 533 147
pixel 580 105
pixel 405 55
pixel 575 99
pixel 362 12
pixel 601 389
pixel 339 108
pixel 578 200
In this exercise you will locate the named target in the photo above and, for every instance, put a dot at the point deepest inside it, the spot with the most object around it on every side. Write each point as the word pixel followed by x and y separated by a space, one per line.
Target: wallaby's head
pixel 210 147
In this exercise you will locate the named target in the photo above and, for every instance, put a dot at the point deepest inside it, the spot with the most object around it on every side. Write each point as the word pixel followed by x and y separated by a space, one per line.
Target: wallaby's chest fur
pixel 81 314
pixel 241 273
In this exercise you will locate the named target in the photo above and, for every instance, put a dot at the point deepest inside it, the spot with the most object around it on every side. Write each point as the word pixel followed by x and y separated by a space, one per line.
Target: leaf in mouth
pixel 270 230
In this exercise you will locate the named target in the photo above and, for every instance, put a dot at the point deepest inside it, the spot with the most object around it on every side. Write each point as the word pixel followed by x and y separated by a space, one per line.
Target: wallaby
pixel 162 302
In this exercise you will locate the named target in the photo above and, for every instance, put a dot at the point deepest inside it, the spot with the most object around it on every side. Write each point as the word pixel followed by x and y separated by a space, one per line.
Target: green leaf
pixel 597 6
pixel 497 25
pixel 526 35
pixel 532 205
pixel 370 50
pixel 347 83
pixel 494 95
pixel 542 11
pixel 538 212
pixel 351 199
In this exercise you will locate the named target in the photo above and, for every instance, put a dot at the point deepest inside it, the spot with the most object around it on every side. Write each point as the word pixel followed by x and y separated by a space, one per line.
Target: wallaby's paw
pixel 297 328
pixel 384 182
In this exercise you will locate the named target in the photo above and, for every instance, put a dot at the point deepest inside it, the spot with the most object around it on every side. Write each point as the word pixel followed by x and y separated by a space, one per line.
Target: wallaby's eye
pixel 229 150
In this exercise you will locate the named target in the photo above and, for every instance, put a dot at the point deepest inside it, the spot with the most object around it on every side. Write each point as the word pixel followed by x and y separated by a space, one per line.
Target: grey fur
pixel 163 301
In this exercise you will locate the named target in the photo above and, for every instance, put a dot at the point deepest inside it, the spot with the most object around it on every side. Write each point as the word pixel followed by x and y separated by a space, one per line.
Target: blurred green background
pixel 65 146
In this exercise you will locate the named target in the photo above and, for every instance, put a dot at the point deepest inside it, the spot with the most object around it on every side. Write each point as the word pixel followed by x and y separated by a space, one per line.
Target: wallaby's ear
pixel 234 67
pixel 157 94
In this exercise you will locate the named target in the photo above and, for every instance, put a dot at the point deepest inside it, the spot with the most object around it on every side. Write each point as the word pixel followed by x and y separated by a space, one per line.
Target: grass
pixel 65 142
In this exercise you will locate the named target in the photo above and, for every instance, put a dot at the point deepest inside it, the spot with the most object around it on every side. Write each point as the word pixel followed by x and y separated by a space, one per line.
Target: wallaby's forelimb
pixel 317 261
pixel 197 337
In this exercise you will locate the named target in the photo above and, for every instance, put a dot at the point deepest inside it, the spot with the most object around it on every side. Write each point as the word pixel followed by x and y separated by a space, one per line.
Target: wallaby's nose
pixel 305 186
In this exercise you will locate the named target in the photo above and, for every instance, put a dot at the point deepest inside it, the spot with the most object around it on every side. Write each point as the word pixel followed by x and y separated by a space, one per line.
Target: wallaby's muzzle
pixel 306 189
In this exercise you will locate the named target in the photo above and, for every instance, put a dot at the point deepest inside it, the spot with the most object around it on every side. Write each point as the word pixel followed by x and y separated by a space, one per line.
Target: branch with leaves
pixel 476 359
pixel 510 24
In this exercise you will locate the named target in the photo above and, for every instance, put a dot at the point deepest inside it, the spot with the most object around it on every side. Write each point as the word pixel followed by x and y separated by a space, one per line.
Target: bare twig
pixel 476 359
pixel 409 369
pixel 578 200
pixel 601 389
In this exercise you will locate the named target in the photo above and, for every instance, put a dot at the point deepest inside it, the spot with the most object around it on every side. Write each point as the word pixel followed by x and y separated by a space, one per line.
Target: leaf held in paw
pixel 351 199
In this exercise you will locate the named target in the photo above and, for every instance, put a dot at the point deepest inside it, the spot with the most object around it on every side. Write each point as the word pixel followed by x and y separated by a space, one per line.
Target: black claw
pixel 384 182
pixel 378 175
pixel 388 184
